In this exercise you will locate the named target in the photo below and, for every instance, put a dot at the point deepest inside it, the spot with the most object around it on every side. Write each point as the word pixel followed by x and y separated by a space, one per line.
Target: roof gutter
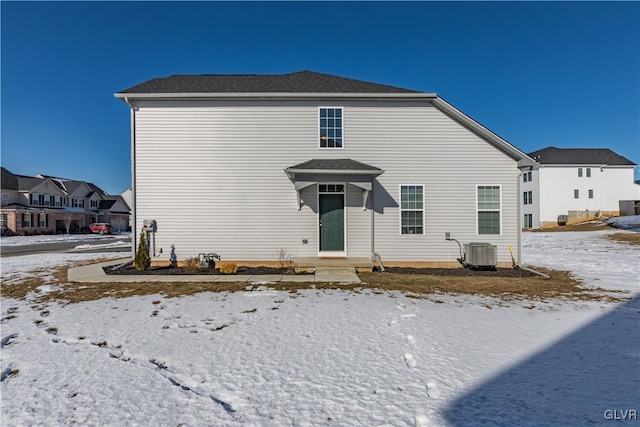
pixel 418 95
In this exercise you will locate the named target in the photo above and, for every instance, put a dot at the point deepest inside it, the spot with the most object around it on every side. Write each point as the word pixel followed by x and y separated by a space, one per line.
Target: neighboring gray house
pixel 316 166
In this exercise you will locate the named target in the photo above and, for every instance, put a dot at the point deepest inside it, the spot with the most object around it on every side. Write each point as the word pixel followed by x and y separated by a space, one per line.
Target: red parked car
pixel 100 228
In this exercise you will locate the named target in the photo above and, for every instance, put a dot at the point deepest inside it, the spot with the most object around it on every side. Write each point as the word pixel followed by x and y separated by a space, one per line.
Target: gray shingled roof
pixel 334 165
pixel 579 156
pixel 300 82
pixel 8 181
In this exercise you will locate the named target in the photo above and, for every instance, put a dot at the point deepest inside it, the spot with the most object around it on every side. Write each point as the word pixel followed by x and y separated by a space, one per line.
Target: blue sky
pixel 535 73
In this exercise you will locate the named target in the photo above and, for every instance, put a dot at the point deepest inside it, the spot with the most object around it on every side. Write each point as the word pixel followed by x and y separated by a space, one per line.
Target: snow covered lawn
pixel 329 357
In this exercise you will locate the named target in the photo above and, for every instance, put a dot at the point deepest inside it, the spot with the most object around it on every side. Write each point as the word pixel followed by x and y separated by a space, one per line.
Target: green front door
pixel 331 222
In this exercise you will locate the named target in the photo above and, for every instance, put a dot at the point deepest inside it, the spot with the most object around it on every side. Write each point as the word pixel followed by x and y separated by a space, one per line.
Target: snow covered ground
pixel 59 238
pixel 329 357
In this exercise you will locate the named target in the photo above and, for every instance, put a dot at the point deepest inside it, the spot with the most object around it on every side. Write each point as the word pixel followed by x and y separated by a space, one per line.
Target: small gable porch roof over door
pixel 315 171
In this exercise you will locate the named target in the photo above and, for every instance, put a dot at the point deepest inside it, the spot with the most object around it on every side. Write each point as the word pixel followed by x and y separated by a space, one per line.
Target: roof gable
pixel 300 82
pixel 579 156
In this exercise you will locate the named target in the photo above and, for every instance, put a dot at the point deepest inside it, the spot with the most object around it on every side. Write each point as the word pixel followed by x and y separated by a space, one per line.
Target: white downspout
pixel 134 234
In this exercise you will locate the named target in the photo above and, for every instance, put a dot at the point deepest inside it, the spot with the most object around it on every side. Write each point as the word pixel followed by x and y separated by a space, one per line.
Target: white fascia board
pixel 450 110
pixel 213 95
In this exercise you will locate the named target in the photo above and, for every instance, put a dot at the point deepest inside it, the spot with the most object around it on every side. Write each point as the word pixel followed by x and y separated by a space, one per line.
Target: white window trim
pixel 400 210
pixel 343 136
pixel 488 210
pixel 342 253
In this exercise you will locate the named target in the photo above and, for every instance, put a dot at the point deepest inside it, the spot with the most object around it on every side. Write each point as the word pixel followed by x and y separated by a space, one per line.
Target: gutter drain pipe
pixel 375 255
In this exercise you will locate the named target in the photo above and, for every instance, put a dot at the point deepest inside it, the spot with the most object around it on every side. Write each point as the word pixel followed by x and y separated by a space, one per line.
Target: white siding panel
pixel 213 177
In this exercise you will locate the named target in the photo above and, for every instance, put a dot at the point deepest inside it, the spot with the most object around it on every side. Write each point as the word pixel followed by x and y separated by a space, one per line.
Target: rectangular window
pixel 5 196
pixel 524 177
pixel 528 220
pixel 411 209
pixel 588 172
pixel 331 188
pixel 591 194
pixel 57 201
pixel 26 220
pixel 530 197
pixel 3 220
pixel 580 172
pixel 330 127
pixel 77 202
pixel 94 203
pixel 35 199
pixel 42 220
pixel 576 194
pixel 525 197
pixel 489 209
pixel 529 176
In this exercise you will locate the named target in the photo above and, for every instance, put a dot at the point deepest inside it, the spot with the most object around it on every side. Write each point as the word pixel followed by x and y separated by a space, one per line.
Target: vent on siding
pixel 481 254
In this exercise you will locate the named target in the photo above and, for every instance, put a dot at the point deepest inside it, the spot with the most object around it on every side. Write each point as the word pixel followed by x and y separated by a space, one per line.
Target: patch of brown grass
pixel 561 285
pixel 630 238
pixel 582 226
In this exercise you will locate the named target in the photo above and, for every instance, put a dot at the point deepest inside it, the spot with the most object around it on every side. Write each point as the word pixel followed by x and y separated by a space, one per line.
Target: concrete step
pixel 336 275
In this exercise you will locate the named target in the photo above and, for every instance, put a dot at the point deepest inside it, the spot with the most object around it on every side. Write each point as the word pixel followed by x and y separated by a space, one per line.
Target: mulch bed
pixel 500 272
pixel 130 270
pixel 173 271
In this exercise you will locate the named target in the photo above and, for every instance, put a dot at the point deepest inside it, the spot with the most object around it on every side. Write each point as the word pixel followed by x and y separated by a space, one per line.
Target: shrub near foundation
pixel 230 268
pixel 191 265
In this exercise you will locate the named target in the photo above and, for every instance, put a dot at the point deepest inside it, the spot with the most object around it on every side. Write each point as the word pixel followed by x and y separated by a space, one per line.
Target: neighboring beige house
pixel 316 166
pixel 48 205
pixel 577 183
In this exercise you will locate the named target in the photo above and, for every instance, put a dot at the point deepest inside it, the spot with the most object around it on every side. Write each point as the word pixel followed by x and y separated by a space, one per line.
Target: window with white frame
pixel 57 201
pixel 591 194
pixel 26 220
pixel 3 220
pixel 412 209
pixel 580 172
pixel 77 202
pixel 330 188
pixel 330 127
pixel 526 177
pixel 576 194
pixel 42 220
pixel 588 172
pixel 489 209
pixel 5 196
pixel 35 198
pixel 528 220
pixel 94 203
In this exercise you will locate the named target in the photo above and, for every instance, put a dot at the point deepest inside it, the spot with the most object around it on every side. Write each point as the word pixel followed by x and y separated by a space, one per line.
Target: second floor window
pixel 94 203
pixel 576 194
pixel 331 127
pixel 588 171
pixel 579 172
pixel 77 202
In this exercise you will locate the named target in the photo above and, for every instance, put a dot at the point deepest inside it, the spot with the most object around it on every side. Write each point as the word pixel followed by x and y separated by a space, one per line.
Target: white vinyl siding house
pixel 246 176
pixel 576 182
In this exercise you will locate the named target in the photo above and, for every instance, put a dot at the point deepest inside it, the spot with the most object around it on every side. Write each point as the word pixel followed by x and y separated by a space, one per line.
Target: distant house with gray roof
pixel 316 166
pixel 46 205
pixel 576 182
